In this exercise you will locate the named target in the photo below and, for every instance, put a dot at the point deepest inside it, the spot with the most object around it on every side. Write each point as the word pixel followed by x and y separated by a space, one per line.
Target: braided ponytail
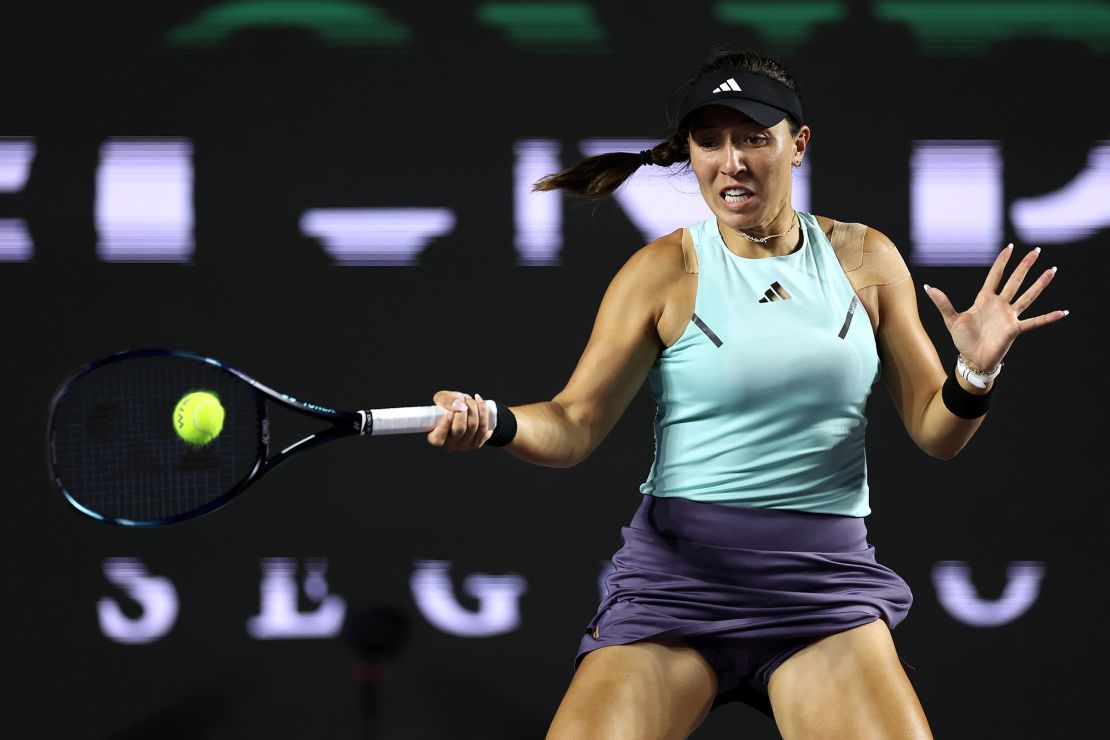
pixel 596 177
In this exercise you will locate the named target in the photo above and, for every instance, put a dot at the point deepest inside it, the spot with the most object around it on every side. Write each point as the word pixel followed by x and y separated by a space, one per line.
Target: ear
pixel 801 142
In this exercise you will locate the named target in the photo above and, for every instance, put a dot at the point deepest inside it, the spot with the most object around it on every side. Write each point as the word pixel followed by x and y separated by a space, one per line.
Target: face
pixel 744 169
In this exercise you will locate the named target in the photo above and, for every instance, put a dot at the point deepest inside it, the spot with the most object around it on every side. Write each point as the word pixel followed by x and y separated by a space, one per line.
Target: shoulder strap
pixel 847 242
pixel 689 254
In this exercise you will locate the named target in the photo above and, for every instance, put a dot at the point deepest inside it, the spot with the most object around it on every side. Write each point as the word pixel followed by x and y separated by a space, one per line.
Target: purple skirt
pixel 746 587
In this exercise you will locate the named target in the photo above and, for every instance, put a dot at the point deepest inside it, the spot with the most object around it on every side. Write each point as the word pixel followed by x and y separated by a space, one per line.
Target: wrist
pixel 964 399
pixel 970 387
pixel 976 378
pixel 505 430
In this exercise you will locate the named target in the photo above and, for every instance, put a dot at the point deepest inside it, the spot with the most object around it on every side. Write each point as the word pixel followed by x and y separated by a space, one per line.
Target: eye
pixel 756 139
pixel 707 142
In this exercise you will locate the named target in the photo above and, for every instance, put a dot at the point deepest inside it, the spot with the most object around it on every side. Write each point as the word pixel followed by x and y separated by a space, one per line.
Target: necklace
pixel 764 239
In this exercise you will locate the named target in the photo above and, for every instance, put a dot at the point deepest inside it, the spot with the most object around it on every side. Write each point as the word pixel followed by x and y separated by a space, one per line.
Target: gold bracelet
pixel 978 371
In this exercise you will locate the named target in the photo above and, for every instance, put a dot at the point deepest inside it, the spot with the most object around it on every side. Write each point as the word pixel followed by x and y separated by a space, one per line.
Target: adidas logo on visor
pixel 727 85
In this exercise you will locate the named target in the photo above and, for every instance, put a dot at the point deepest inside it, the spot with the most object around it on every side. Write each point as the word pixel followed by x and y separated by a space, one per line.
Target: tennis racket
pixel 116 456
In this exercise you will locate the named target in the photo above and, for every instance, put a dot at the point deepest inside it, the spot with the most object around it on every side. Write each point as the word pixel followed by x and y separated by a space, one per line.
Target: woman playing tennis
pixel 745 574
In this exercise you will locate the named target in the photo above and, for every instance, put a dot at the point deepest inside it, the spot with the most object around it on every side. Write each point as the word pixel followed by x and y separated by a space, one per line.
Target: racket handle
pixel 412 419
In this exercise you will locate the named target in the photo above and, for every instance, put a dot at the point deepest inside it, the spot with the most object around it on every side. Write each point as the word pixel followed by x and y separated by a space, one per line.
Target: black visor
pixel 762 99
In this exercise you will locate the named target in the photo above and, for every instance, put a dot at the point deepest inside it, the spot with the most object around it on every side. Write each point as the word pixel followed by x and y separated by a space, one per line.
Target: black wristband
pixel 962 403
pixel 505 430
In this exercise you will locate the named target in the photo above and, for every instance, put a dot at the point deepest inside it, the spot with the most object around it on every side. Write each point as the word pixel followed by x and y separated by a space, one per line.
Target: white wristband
pixel 978 380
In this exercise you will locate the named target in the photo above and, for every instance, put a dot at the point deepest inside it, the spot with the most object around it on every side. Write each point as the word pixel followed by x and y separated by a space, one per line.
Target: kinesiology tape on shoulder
pixel 864 267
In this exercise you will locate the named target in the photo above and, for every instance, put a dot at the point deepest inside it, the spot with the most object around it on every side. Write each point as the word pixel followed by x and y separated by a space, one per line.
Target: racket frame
pixel 344 424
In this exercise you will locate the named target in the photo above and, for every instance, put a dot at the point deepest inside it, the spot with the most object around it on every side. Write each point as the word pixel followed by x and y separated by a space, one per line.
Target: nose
pixel 733 161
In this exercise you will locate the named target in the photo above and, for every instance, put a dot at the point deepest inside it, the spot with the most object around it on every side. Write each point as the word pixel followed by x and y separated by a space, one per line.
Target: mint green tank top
pixel 761 401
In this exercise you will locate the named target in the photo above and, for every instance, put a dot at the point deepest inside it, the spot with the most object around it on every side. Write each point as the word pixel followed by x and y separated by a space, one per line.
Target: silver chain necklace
pixel 765 239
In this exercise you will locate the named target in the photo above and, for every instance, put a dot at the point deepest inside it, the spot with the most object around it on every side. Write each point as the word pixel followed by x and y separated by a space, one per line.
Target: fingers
pixel 1043 320
pixel 1030 295
pixel 465 426
pixel 457 410
pixel 941 301
pixel 1018 275
pixel 994 276
pixel 439 433
pixel 483 419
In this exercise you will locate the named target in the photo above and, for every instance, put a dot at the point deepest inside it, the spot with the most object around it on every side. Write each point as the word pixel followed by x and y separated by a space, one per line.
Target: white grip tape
pixel 413 419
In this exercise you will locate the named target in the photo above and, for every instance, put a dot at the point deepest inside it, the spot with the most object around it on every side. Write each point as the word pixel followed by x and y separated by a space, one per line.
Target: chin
pixel 740 220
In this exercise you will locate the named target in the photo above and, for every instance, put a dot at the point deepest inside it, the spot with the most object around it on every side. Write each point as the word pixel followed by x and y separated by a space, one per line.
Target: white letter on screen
pixel 956 202
pixel 498 600
pixel 388 237
pixel 957 594
pixel 1074 212
pixel 537 217
pixel 144 200
pixel 279 617
pixel 16 156
pixel 659 200
pixel 155 594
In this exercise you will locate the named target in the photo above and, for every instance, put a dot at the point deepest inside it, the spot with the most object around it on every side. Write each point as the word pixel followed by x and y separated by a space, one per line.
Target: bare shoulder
pixel 876 242
pixel 880 263
pixel 665 254
pixel 881 259
pixel 657 265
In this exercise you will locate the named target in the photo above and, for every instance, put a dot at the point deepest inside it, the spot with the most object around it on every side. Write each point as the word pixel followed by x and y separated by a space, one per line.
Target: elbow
pixel 567 461
pixel 581 434
pixel 570 462
pixel 941 452
pixel 940 449
pixel 582 449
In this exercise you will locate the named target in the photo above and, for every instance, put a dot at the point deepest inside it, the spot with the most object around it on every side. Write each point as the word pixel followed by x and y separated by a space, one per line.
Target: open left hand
pixel 983 333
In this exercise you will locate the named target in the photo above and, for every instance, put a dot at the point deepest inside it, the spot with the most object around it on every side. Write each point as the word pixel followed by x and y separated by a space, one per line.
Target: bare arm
pixel 913 373
pixel 911 368
pixel 621 350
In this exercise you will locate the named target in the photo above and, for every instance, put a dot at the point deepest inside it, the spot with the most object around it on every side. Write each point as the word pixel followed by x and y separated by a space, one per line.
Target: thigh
pixel 847 685
pixel 643 690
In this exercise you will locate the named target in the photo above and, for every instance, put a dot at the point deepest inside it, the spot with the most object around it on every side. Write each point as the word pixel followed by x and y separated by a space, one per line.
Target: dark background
pixel 282 120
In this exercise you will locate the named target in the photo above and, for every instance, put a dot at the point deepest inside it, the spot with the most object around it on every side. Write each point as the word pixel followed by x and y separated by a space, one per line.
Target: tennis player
pixel 746 573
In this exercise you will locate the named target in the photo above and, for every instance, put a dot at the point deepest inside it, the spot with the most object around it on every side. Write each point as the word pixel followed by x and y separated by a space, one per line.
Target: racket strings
pixel 117 454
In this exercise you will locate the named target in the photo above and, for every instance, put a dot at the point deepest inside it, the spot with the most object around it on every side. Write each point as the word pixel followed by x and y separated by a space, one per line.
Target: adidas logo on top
pixel 727 85
pixel 775 293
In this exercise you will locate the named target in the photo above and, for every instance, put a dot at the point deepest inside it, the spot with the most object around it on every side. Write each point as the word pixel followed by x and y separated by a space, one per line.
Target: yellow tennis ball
pixel 198 417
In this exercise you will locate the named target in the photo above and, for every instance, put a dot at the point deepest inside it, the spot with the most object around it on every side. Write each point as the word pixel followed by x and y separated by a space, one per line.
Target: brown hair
pixel 596 177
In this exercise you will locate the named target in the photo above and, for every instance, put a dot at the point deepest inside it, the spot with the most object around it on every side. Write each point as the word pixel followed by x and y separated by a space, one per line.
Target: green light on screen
pixel 335 22
pixel 949 27
pixel 941 27
pixel 551 26
pixel 784 24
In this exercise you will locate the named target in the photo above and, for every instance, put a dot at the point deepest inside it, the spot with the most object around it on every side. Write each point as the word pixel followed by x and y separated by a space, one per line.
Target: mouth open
pixel 735 195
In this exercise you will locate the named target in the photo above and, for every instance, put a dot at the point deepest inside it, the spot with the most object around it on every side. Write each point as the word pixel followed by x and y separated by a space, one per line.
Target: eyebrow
pixel 713 127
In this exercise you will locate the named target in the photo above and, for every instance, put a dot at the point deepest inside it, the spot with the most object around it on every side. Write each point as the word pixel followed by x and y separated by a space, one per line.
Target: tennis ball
pixel 198 417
